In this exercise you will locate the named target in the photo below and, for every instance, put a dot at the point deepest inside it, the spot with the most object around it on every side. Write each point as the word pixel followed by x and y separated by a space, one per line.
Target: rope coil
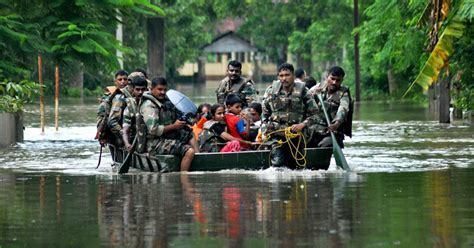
pixel 290 139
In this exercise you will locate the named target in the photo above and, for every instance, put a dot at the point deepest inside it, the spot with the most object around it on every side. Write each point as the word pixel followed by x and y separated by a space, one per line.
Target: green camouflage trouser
pixel 174 146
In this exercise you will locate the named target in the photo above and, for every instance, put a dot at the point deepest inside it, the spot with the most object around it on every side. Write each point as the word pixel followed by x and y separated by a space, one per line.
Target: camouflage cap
pixel 135 74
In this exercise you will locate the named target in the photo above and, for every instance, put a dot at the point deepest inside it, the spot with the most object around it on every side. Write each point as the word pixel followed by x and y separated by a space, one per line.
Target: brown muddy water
pixel 411 187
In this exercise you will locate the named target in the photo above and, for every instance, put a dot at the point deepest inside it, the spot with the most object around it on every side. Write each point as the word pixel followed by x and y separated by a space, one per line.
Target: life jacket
pixel 225 89
pixel 287 110
pixel 104 135
pixel 140 123
pixel 208 140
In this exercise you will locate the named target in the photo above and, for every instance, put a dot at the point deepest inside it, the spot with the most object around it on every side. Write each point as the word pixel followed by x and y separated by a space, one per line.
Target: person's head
pixel 217 112
pixel 139 85
pixel 121 79
pixel 334 78
pixel 286 74
pixel 255 109
pixel 310 82
pixel 203 108
pixel 159 86
pixel 300 73
pixel 234 70
pixel 233 103
pixel 142 71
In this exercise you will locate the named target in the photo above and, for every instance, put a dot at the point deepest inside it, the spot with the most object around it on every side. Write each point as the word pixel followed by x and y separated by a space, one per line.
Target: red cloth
pixel 231 121
pixel 231 146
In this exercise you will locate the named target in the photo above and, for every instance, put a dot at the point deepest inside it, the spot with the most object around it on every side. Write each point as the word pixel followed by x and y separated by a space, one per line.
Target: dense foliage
pixel 79 36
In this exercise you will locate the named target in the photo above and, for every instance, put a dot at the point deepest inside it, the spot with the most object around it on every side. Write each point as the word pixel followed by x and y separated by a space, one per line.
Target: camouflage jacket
pixel 244 88
pixel 116 110
pixel 336 104
pixel 290 108
pixel 129 116
pixel 156 115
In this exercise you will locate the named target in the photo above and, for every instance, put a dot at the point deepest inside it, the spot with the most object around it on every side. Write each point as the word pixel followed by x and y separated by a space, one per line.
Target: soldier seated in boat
pixel 214 134
pixel 139 86
pixel 165 133
pixel 234 83
pixel 288 112
pixel 338 104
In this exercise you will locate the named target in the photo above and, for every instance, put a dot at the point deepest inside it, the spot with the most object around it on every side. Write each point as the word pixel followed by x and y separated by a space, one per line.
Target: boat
pixel 316 158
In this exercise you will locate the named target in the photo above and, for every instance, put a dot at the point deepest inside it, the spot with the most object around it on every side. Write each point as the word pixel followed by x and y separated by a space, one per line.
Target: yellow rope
pixel 298 156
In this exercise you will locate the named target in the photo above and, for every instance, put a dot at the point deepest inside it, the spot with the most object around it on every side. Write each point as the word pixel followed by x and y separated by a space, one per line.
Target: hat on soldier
pixel 135 74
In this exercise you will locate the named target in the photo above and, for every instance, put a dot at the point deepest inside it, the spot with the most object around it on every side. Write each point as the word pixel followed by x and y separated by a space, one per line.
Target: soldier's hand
pixel 333 127
pixel 297 127
pixel 128 146
pixel 178 124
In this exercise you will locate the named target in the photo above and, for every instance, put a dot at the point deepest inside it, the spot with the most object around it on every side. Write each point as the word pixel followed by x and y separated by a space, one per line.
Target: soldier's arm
pixel 151 119
pixel 266 108
pixel 311 108
pixel 250 92
pixel 220 91
pixel 127 122
pixel 343 108
pixel 115 115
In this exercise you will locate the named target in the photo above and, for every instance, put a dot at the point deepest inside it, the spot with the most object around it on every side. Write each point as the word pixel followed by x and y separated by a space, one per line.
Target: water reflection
pixel 239 210
pixel 230 210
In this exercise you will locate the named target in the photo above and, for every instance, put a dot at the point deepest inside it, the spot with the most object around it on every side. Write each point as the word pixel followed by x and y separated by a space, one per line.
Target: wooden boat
pixel 316 158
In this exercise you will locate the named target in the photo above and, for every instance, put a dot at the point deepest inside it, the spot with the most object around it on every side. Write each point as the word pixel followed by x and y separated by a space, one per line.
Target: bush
pixel 14 95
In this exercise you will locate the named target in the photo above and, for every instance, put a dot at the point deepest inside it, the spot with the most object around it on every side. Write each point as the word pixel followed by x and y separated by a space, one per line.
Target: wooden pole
pixel 56 98
pixel 40 79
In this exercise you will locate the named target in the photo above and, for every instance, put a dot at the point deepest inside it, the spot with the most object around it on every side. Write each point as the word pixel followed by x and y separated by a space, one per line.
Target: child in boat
pixel 201 118
pixel 237 125
pixel 255 111
pixel 215 133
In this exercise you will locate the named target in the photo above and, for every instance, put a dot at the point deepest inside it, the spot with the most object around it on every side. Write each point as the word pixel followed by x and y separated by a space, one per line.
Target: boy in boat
pixel 215 132
pixel 338 104
pixel 288 112
pixel 238 125
pixel 165 133
pixel 234 83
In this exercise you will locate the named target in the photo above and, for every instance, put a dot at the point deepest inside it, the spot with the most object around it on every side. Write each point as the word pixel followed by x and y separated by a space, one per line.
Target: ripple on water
pixel 375 147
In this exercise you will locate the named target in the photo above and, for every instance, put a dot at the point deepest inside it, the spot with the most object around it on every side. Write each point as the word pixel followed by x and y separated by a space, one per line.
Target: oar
pixel 125 165
pixel 336 149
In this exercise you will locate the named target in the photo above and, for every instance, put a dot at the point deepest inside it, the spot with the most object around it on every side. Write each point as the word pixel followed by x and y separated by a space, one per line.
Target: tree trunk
pixel 11 125
pixel 356 52
pixel 444 99
pixel 77 77
pixel 156 46
pixel 304 63
pixel 392 84
pixel 201 73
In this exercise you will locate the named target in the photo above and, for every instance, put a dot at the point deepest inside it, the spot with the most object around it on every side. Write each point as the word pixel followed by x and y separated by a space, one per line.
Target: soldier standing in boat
pixel 165 133
pixel 287 106
pixel 234 83
pixel 139 86
pixel 338 104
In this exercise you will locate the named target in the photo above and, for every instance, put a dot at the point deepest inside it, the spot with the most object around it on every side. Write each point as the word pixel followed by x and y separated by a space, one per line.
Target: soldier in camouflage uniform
pixel 164 132
pixel 287 103
pixel 234 83
pixel 115 120
pixel 337 102
pixel 138 86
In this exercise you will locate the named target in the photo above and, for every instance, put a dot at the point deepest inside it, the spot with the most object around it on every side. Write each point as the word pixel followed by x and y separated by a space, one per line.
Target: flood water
pixel 412 186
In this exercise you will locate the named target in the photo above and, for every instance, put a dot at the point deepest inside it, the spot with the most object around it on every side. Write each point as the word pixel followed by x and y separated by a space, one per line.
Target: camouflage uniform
pixel 281 110
pixel 337 106
pixel 116 114
pixel 156 115
pixel 244 88
pixel 129 117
